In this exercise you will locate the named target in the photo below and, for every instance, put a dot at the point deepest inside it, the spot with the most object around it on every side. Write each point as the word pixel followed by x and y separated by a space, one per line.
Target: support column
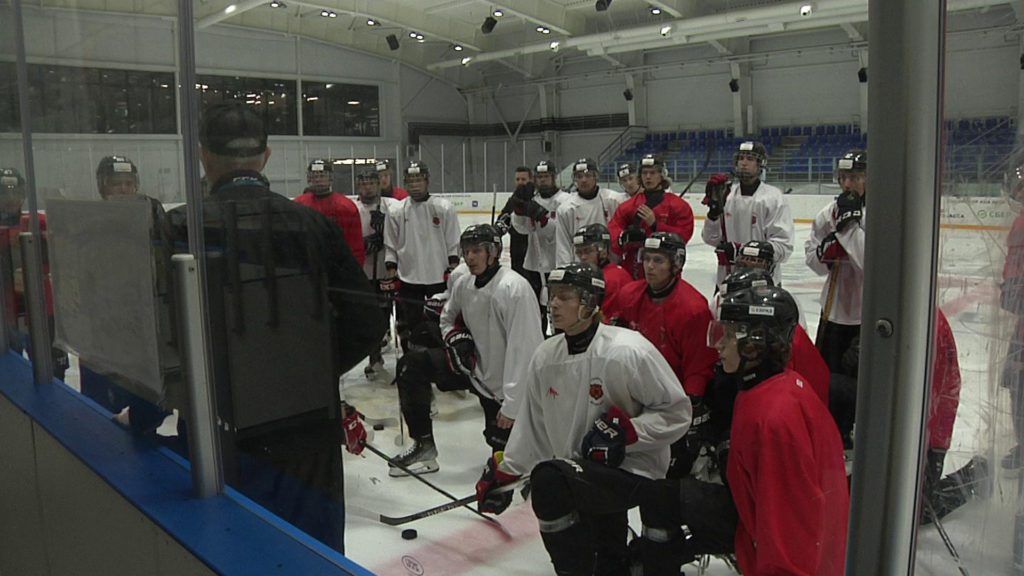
pixel 905 96
pixel 862 58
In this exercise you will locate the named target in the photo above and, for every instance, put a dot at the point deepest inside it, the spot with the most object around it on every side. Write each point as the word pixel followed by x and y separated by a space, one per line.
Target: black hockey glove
pixel 503 223
pixel 521 197
pixel 698 432
pixel 461 352
pixel 715 192
pixel 388 287
pixel 632 235
pixel 607 440
pixel 377 221
pixel 487 500
pixel 726 252
pixel 537 212
pixel 830 250
pixel 373 243
pixel 849 210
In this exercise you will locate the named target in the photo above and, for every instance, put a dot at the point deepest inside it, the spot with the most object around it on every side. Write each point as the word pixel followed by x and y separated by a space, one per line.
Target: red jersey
pixel 806 361
pixel 945 392
pixel 672 214
pixel 343 212
pixel 788 481
pixel 677 325
pixel 397 192
pixel 615 277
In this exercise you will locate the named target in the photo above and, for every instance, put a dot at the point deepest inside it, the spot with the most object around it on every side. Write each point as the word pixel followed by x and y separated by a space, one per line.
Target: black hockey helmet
pixel 588 282
pixel 757 254
pixel 745 278
pixel 652 160
pixel 853 161
pixel 546 167
pixel 367 173
pixel 417 168
pixel 11 179
pixel 625 169
pixel 593 234
pixel 319 165
pixel 111 166
pixel 477 234
pixel 584 165
pixel 668 243
pixel 759 317
pixel 755 149
pixel 383 165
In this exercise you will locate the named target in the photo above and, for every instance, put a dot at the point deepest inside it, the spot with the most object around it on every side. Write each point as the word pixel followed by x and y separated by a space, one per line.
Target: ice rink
pixel 458 542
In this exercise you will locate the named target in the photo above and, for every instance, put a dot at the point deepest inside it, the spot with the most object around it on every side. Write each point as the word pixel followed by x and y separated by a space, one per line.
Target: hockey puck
pixel 409 534
pixel 378 427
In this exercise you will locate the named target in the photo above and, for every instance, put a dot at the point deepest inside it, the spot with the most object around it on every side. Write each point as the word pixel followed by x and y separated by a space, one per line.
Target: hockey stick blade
pixel 399 520
pixel 391 461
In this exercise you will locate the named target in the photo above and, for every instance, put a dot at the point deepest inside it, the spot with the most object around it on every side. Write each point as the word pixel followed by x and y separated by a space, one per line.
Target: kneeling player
pixel 604 403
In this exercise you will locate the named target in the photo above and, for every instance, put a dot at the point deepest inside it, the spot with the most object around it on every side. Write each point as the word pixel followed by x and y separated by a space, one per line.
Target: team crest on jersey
pixel 552 393
pixel 596 391
pixel 437 221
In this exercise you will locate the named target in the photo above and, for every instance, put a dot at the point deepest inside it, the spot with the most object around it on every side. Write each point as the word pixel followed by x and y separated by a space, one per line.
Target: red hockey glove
pixel 492 479
pixel 389 286
pixel 607 440
pixel 726 252
pixel 830 250
pixel 715 192
pixel 355 432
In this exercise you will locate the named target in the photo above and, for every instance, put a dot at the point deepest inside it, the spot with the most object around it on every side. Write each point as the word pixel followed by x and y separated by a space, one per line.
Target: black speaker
pixel 862 75
pixel 392 41
pixel 734 85
pixel 488 26
pixel 547 146
pixel 628 94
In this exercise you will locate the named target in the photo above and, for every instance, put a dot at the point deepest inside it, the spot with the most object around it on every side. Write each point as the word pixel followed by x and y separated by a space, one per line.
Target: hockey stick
pixel 391 461
pixel 464 501
pixel 945 537
pixel 707 161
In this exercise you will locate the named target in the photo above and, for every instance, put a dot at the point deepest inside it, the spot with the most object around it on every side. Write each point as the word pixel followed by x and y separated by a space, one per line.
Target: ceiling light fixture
pixel 665 30
pixel 467 60
pixel 277 4
pixel 372 22
pixel 353 102
pixel 457 47
pixel 655 11
pixel 230 9
pixel 498 13
pixel 333 14
pixel 554 45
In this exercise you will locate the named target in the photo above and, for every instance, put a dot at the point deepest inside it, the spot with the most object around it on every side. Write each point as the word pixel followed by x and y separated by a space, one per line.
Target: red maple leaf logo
pixel 596 391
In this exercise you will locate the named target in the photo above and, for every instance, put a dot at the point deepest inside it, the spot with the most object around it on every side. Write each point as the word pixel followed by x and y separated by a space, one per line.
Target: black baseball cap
pixel 233 129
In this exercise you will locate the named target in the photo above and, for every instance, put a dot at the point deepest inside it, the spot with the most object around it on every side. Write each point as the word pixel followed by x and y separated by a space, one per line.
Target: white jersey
pixel 374 265
pixel 504 320
pixel 565 393
pixel 420 236
pixel 576 212
pixel 764 216
pixel 540 252
pixel 846 279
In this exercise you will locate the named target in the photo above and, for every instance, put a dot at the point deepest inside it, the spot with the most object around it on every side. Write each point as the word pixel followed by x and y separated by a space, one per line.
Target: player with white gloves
pixel 836 249
pixel 588 205
pixel 746 209
pixel 490 327
pixel 421 237
pixel 600 409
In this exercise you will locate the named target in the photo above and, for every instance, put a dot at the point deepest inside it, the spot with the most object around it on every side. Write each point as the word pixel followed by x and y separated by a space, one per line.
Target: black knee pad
pixel 550 492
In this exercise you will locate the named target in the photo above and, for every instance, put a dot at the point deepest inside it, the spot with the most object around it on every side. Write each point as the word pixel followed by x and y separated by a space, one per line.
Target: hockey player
pixel 629 179
pixel 588 205
pixel 373 211
pixel 535 214
pixel 387 188
pixel 12 196
pixel 745 210
pixel 491 327
pixel 651 210
pixel 672 315
pixel 338 208
pixel 835 249
pixel 600 408
pixel 1012 300
pixel 421 237
pixel 117 176
pixel 791 496
pixel 592 244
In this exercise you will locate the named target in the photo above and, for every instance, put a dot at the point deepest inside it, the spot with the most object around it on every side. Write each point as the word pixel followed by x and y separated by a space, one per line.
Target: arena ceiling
pixel 533 38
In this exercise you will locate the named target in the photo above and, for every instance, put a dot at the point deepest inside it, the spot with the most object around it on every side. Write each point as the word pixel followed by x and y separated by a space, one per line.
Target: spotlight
pixel 498 13
pixel 457 47
pixel 488 26
pixel 806 10
pixel 372 22
pixel 543 30
pixel 665 30
pixel 862 75
pixel 655 11
pixel 627 94
pixel 734 85
pixel 554 45
pixel 467 60
pixel 277 4
pixel 602 5
pixel 412 35
pixel 325 13
pixel 333 14
pixel 392 41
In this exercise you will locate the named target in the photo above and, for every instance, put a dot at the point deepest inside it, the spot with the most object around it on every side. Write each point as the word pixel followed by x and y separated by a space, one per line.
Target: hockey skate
pixel 420 458
pixel 374 366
